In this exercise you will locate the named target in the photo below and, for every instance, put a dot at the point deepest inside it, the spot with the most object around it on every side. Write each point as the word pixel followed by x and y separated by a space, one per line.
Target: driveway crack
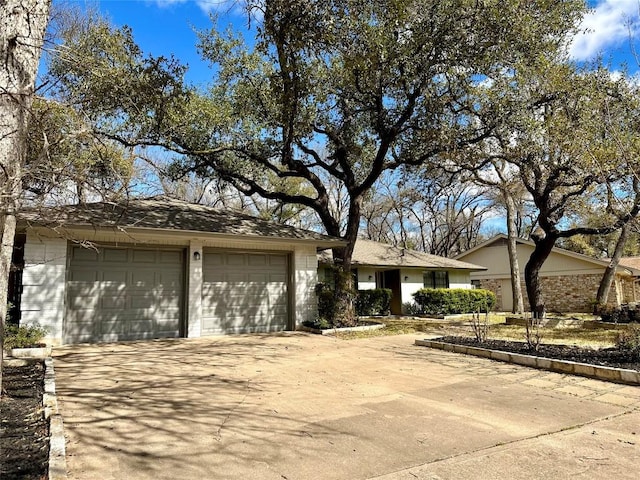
pixel 218 434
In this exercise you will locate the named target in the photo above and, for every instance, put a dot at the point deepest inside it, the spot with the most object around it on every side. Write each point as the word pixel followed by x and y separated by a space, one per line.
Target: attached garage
pixel 118 294
pixel 160 268
pixel 244 292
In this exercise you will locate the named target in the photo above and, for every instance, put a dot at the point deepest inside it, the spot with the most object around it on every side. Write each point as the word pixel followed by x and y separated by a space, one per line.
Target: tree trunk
pixel 610 272
pixel 345 294
pixel 512 234
pixel 544 245
pixel 22 27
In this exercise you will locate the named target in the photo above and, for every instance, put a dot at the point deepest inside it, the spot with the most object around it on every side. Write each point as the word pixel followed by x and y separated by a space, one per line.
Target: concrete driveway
pixel 298 406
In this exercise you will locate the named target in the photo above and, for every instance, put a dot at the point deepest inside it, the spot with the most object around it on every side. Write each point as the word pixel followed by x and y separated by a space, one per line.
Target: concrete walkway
pixel 298 406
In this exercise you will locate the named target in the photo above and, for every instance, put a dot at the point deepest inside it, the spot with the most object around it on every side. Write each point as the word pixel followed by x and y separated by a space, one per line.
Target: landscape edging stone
pixel 609 374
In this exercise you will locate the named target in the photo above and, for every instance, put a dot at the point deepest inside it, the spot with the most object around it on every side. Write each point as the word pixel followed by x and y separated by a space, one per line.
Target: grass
pixel 497 331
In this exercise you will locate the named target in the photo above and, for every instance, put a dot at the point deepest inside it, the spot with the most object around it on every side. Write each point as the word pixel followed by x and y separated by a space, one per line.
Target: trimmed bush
pixel 373 302
pixel 448 301
pixel 627 313
pixel 326 303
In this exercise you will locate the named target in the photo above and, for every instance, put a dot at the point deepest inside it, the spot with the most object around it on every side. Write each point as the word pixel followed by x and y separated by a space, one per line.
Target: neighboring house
pixel 569 280
pixel 163 268
pixel 403 271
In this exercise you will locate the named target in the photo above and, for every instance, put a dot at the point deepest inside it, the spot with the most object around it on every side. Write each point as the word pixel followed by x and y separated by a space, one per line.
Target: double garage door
pixel 118 294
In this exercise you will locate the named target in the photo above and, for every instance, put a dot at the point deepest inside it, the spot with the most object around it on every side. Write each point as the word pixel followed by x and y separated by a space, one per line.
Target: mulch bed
pixel 607 357
pixel 24 432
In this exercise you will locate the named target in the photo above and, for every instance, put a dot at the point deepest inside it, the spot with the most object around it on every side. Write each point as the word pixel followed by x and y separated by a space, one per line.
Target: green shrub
pixel 629 340
pixel 411 308
pixel 23 336
pixel 373 302
pixel 319 323
pixel 447 301
pixel 326 303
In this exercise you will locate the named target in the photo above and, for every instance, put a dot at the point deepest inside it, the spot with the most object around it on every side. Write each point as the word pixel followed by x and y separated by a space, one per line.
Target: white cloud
pixel 207 6
pixel 608 25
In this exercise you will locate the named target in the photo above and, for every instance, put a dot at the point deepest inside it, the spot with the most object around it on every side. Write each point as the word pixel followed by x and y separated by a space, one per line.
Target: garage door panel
pixel 169 280
pixel 170 258
pixel 144 256
pixel 111 302
pixel 114 255
pixel 258 260
pixel 111 325
pixel 143 278
pixel 244 292
pixel 142 326
pixel 83 298
pixel 124 294
pixel 80 254
pixel 83 275
pixel 146 302
pixel 280 260
pixel 236 259
pixel 258 277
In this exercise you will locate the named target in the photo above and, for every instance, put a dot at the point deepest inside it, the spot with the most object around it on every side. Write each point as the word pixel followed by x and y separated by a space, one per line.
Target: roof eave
pixel 319 242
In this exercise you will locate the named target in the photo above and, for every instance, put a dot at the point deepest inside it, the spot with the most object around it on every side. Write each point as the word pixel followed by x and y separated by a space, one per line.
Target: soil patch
pixel 606 357
pixel 24 432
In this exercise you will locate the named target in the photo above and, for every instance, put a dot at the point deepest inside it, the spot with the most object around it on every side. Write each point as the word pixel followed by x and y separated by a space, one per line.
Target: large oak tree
pixel 571 140
pixel 327 91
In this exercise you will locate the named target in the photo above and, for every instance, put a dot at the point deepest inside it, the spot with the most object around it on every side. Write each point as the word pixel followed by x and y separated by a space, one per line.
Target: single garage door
pixel 123 294
pixel 244 292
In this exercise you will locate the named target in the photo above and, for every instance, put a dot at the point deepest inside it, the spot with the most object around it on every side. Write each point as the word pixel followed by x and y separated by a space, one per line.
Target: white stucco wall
pixel 43 280
pixel 414 282
pixel 364 283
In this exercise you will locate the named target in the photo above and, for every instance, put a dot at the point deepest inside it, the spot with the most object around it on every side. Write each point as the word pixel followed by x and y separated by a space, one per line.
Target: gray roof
pixel 370 253
pixel 167 214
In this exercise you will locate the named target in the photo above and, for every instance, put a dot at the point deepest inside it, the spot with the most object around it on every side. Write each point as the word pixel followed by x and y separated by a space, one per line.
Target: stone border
pixel 57 450
pixel 608 374
pixel 568 323
pixel 333 331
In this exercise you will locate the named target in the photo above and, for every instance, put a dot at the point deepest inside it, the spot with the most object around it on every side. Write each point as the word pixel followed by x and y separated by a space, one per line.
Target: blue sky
pixel 162 27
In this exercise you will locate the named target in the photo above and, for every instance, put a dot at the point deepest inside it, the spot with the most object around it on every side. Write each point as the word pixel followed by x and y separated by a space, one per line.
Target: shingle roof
pixel 370 253
pixel 167 214
pixel 630 262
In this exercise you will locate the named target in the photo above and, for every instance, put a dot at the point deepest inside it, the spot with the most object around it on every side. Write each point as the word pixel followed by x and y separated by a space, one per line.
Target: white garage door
pixel 123 294
pixel 244 292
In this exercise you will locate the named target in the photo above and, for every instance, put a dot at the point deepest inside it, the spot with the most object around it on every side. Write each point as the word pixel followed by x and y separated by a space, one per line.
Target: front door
pixel 391 279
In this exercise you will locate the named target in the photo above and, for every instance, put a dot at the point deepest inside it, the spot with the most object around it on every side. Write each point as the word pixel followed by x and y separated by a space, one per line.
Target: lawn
pixel 498 330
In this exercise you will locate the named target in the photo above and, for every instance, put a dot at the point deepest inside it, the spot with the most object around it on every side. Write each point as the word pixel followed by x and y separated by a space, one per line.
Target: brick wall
pixel 567 293
pixel 493 285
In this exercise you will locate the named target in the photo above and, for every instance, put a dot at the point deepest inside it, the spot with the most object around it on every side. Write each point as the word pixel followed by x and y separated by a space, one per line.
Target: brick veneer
pixel 569 293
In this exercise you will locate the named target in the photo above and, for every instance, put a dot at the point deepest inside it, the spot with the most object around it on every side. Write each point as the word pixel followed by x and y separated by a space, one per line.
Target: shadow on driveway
pixel 299 406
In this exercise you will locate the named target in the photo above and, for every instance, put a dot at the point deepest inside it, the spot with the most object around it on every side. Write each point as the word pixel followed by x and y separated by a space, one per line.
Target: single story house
pixel 569 280
pixel 403 271
pixel 160 268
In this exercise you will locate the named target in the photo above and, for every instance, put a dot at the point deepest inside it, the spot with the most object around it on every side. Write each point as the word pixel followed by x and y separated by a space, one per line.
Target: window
pixel 436 279
pixel 475 283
